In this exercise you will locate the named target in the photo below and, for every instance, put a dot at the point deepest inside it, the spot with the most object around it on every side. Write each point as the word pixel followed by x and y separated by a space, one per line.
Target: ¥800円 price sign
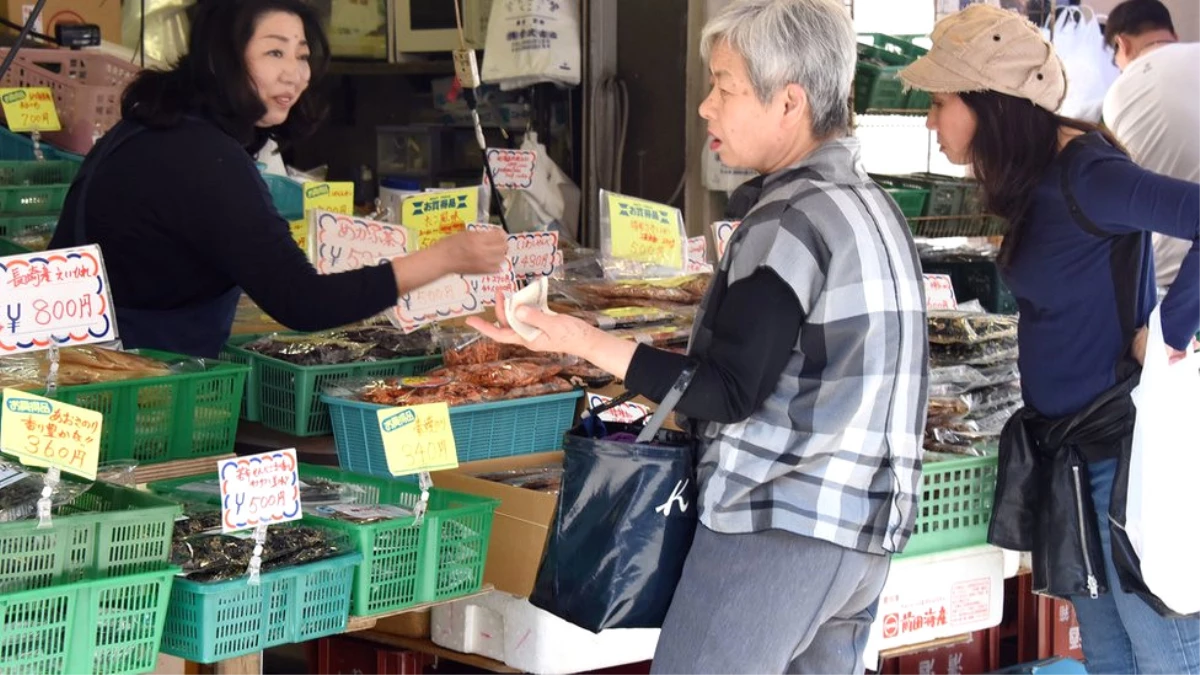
pixel 418 439
pixel 46 433
pixel 54 297
pixel 261 489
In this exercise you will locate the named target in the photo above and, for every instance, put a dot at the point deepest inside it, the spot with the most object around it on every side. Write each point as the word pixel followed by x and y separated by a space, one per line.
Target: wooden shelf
pixel 177 469
pixel 362 623
pixel 427 646
pixel 337 67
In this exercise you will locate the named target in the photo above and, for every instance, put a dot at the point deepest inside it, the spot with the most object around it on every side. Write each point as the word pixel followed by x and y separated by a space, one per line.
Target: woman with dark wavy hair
pixel 184 220
pixel 1079 261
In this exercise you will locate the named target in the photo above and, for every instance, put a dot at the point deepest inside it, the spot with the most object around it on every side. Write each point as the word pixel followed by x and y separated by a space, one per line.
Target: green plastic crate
pixel 15 226
pixel 158 419
pixel 288 196
pixel 402 565
pixel 107 531
pixel 977 279
pixel 911 200
pixel 32 199
pixel 216 621
pixel 955 506
pixel 10 247
pixel 286 397
pixel 103 626
pixel 877 84
pixel 48 172
pixel 481 431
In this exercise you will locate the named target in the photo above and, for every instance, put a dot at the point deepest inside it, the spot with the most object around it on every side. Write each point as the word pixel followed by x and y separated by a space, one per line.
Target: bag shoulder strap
pixel 668 404
pixel 1081 219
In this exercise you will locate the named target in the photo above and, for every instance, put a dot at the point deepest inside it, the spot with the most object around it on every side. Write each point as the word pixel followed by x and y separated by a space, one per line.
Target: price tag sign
pixel 418 439
pixel 697 252
pixel 939 292
pixel 30 109
pixel 722 232
pixel 261 489
pixel 433 216
pixel 646 232
pixel 342 243
pixel 299 230
pixel 533 254
pixel 626 413
pixel 512 169
pixel 332 197
pixel 58 297
pixel 46 433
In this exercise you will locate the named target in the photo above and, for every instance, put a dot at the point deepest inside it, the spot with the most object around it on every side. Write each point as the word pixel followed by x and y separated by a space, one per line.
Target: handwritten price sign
pixel 42 432
pixel 939 292
pixel 697 252
pixel 418 439
pixel 512 169
pixel 722 232
pixel 342 243
pixel 626 413
pixel 436 215
pixel 56 297
pixel 646 232
pixel 30 109
pixel 261 489
pixel 333 197
pixel 533 254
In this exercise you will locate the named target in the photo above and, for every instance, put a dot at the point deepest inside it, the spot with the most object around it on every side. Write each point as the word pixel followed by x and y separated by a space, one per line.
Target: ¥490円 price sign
pixel 261 489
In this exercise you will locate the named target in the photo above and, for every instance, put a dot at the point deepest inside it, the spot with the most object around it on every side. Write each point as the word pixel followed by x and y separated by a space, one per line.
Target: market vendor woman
pixel 184 220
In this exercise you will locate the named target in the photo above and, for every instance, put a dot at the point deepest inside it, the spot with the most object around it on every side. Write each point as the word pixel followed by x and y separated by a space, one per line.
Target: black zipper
pixel 1092 584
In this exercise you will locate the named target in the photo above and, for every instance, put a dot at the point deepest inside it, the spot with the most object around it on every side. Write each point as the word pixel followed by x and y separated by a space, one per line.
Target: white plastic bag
pixel 1079 43
pixel 532 41
pixel 1164 466
pixel 723 178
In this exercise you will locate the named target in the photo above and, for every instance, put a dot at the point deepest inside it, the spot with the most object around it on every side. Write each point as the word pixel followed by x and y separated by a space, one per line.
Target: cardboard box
pixel 521 524
pixel 936 596
pixel 409 624
pixel 104 13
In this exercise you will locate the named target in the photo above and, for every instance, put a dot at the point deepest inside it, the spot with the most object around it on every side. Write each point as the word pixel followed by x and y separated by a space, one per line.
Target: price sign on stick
pixel 722 233
pixel 46 433
pixel 939 292
pixel 259 490
pixel 418 439
pixel 512 169
pixel 332 197
pixel 30 109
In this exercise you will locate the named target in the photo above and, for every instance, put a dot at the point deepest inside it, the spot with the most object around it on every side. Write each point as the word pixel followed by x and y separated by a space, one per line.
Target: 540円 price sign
pixel 418 439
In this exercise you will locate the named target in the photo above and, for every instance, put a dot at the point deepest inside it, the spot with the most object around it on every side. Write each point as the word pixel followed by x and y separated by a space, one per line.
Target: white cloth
pixel 1154 111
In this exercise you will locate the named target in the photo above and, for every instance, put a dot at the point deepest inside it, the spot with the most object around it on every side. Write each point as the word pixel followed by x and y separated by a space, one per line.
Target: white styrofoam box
pixel 509 629
pixel 1015 561
pixel 938 595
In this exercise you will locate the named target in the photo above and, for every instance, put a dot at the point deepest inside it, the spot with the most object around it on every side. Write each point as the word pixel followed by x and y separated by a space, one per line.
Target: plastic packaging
pixel 21 488
pixel 617 267
pixel 990 352
pixel 956 327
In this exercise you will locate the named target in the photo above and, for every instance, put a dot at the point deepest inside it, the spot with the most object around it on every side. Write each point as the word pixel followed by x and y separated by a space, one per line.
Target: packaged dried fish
pixel 989 352
pixel 465 347
pixel 948 408
pixel 624 317
pixel 990 400
pixel 308 350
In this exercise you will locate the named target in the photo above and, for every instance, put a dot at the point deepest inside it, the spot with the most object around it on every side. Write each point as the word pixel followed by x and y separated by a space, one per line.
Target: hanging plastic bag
pixel 626 516
pixel 1088 61
pixel 1162 471
pixel 533 41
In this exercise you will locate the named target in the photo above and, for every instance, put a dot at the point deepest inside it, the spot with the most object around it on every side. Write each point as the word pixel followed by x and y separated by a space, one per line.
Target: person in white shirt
pixel 1152 108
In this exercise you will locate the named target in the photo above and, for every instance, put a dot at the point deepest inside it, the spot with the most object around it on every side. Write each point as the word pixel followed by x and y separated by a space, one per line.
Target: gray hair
pixel 806 42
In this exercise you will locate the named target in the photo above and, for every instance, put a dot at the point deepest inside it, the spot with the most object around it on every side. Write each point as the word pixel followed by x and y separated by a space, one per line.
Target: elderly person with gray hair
pixel 809 396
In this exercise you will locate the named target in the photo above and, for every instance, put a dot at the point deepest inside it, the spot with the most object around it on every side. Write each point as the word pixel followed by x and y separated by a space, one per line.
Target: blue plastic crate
pixel 20 147
pixel 288 196
pixel 481 431
pixel 209 622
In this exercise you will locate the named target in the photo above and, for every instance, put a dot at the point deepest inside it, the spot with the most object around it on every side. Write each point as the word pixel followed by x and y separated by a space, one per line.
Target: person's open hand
pixel 473 252
pixel 559 333
pixel 1139 348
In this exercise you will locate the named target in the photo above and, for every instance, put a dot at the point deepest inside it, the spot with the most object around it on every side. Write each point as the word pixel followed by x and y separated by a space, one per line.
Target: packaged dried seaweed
pixel 21 488
pixel 989 352
pixel 308 350
pixel 221 557
pixel 990 400
pixel 958 327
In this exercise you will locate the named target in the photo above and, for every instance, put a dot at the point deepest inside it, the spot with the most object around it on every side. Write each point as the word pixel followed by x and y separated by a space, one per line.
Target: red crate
pixel 975 655
pixel 1059 630
pixel 348 656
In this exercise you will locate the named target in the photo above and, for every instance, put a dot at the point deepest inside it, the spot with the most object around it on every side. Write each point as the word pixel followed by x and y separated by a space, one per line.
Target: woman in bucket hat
pixel 1079 261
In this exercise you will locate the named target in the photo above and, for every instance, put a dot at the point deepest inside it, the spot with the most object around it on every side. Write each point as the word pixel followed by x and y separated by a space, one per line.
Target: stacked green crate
pixel 32 192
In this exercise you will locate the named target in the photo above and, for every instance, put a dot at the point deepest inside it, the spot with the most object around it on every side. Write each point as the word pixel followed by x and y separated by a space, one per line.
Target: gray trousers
pixel 770 602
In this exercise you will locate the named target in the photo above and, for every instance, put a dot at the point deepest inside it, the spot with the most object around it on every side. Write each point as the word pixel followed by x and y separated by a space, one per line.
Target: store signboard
pixel 58 297
pixel 341 243
pixel 418 438
pixel 259 490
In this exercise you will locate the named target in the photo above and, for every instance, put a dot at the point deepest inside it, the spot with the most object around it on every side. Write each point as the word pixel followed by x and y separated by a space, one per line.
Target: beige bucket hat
pixel 985 47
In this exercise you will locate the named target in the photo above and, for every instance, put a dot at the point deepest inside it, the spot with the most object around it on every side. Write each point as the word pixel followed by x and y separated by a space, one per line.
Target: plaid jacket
pixel 835 451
